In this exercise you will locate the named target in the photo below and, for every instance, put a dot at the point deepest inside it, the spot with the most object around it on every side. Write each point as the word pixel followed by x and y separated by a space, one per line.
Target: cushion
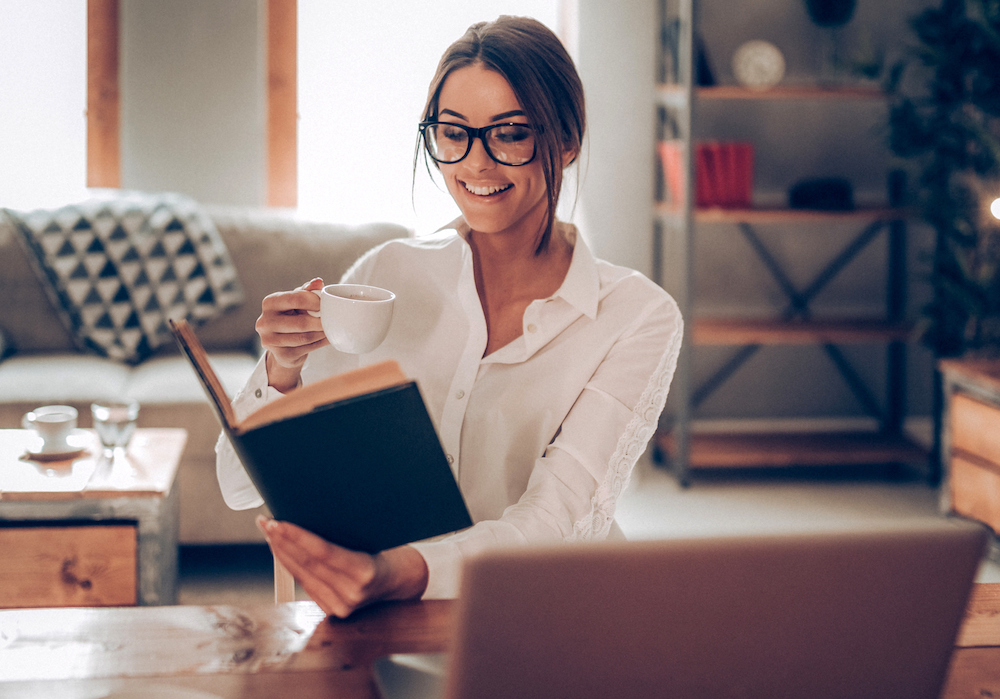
pixel 116 267
pixel 77 379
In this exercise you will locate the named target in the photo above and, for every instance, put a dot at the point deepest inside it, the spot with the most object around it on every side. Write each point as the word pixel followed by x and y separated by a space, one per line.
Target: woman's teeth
pixel 486 191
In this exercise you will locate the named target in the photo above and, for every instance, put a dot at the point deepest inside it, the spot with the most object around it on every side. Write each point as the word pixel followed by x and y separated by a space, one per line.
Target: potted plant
pixel 944 123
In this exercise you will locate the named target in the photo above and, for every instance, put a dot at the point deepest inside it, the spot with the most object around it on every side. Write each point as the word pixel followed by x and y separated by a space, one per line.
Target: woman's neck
pixel 510 275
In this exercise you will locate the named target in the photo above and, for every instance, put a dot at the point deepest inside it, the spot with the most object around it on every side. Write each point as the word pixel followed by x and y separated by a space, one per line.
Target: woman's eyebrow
pixel 513 112
pixel 497 117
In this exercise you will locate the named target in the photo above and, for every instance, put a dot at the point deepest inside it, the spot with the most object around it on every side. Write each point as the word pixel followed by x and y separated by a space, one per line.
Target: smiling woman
pixel 544 369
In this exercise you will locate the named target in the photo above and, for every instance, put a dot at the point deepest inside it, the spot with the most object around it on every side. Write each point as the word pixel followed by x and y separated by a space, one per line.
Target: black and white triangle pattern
pixel 118 268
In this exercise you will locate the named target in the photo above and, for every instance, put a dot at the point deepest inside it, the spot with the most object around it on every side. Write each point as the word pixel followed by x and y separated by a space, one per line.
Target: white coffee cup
pixel 54 424
pixel 356 317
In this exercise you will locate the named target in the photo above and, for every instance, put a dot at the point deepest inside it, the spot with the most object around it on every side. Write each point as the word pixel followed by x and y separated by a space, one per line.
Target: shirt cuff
pixel 256 393
pixel 444 568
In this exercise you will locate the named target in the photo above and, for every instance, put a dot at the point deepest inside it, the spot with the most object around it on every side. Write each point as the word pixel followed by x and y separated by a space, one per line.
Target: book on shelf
pixel 354 458
pixel 723 173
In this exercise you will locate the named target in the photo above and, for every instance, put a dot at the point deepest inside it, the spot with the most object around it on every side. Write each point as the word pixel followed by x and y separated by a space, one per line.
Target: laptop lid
pixel 834 614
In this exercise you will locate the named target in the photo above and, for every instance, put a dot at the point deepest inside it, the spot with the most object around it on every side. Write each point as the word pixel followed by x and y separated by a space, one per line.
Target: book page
pixel 302 400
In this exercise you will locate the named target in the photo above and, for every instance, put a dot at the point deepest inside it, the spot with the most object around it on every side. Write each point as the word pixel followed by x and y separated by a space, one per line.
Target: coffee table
pixel 79 532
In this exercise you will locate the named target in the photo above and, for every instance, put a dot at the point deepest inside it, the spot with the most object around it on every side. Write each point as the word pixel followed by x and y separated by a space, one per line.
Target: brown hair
pixel 542 75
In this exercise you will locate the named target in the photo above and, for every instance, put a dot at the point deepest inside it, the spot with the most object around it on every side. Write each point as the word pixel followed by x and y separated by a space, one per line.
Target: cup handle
pixel 315 314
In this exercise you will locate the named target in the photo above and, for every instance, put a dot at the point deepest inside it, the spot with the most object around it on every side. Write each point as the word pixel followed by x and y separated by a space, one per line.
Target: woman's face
pixel 493 198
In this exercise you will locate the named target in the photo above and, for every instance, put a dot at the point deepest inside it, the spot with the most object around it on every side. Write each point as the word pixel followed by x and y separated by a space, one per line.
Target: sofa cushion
pixel 118 266
pixel 40 379
pixel 163 380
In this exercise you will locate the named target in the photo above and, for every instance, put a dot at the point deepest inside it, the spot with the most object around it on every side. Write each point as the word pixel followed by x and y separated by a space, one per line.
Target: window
pixel 43 80
pixel 363 74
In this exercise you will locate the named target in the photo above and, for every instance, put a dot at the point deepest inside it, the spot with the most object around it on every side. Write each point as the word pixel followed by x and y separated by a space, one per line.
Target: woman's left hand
pixel 339 580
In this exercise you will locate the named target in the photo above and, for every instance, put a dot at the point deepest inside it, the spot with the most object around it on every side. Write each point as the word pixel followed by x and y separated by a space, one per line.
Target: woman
pixel 544 369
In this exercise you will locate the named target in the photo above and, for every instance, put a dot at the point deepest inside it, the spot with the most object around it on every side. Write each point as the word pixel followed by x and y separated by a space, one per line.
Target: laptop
pixel 825 614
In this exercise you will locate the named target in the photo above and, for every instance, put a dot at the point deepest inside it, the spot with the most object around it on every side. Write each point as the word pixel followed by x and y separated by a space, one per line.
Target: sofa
pixel 41 361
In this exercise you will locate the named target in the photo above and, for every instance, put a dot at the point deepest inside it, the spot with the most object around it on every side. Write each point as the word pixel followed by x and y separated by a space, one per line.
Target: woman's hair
pixel 542 75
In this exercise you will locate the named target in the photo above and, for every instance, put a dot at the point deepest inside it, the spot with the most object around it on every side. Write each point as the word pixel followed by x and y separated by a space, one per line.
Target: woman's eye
pixel 453 134
pixel 511 134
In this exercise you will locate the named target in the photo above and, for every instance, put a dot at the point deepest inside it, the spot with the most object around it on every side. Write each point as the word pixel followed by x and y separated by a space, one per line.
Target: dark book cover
pixel 366 472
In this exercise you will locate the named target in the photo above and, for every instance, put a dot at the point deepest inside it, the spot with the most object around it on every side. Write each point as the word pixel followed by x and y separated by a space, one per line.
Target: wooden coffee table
pixel 78 533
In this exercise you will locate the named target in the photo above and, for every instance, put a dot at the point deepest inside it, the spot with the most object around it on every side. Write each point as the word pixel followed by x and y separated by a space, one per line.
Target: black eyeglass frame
pixel 473 134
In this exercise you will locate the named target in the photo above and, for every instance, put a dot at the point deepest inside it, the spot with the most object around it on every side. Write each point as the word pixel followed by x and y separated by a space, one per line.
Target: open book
pixel 354 458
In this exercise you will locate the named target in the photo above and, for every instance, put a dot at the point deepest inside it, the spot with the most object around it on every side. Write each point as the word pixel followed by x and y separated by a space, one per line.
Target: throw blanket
pixel 118 266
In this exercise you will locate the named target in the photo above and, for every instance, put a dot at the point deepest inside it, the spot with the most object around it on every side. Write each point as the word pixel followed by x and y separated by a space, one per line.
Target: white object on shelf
pixel 758 64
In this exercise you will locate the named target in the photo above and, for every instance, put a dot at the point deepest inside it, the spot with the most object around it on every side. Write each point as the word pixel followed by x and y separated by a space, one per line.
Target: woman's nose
pixel 478 158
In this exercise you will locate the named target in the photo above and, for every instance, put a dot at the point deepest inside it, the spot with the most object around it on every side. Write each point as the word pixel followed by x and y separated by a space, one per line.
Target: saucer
pixel 54 455
pixel 75 446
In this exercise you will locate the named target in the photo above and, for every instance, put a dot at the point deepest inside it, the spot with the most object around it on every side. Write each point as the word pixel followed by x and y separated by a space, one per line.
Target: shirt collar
pixel 582 285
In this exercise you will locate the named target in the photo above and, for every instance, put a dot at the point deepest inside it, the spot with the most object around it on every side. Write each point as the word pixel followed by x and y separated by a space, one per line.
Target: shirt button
pixel 532 327
pixel 258 393
pixel 451 459
pixel 460 395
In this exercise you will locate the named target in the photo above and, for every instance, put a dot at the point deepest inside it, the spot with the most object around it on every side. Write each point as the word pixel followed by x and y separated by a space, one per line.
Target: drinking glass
pixel 115 423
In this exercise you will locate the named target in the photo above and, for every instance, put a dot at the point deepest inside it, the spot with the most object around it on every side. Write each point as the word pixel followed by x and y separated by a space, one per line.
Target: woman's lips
pixel 486 190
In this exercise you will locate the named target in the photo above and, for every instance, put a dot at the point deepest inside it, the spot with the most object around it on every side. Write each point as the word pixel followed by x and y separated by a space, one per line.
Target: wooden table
pixel 81 533
pixel 292 650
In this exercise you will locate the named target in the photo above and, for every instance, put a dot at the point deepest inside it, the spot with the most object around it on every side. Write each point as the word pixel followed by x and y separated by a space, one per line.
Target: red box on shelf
pixel 723 173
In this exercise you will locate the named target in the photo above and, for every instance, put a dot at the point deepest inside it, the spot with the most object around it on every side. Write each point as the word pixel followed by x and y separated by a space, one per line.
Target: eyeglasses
pixel 508 144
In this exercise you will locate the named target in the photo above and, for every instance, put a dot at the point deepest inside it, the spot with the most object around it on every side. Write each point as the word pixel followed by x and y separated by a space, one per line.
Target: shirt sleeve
pixel 574 487
pixel 237 489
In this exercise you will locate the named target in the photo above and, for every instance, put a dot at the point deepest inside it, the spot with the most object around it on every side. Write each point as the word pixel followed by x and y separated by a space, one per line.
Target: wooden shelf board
pixel 778 92
pixel 789 92
pixel 764 450
pixel 738 331
pixel 782 215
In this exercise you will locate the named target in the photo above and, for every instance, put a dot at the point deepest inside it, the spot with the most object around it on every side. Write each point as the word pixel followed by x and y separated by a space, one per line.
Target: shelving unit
pixel 679 222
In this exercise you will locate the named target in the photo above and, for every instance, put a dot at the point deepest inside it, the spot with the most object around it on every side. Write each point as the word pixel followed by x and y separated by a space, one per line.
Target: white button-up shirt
pixel 543 433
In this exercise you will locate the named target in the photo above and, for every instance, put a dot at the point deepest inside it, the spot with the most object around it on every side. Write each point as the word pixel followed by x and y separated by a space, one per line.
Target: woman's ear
pixel 569 156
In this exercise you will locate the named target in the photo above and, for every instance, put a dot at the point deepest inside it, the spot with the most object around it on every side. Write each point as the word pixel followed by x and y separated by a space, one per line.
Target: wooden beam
pixel 282 106
pixel 103 95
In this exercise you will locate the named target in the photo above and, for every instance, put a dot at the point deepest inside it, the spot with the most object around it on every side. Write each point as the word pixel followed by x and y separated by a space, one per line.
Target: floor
pixel 655 506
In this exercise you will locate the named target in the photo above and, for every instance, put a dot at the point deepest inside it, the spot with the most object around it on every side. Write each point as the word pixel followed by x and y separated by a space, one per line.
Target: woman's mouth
pixel 486 190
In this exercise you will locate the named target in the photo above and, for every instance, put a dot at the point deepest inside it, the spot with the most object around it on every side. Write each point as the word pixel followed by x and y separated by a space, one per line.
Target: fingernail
pixel 265 524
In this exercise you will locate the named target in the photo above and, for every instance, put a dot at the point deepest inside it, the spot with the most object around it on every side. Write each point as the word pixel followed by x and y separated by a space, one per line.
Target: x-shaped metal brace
pixel 798 308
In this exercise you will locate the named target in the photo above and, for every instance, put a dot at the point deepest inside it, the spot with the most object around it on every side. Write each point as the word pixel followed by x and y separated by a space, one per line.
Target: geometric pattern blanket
pixel 117 266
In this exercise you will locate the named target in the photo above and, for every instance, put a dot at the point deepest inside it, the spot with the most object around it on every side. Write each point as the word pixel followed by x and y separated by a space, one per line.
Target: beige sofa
pixel 271 251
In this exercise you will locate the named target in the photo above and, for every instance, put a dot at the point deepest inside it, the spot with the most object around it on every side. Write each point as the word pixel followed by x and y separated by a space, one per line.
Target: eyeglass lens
pixel 508 144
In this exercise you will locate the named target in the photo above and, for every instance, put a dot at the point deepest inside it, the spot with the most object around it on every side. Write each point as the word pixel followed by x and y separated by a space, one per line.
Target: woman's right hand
pixel 289 333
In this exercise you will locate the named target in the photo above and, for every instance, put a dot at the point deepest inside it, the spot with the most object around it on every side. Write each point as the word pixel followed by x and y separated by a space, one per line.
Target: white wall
pixel 616 62
pixel 193 101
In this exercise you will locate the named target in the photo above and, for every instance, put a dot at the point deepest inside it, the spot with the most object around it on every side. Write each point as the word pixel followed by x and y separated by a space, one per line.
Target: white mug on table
pixel 54 424
pixel 355 317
